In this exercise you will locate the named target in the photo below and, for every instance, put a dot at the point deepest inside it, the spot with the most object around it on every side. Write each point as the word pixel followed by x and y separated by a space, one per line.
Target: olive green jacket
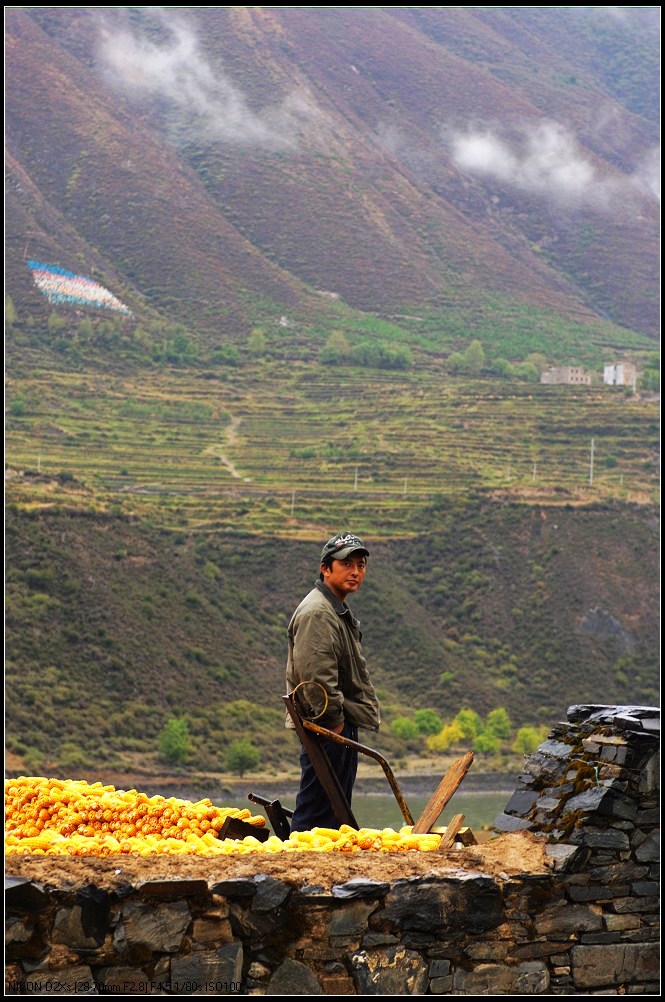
pixel 324 647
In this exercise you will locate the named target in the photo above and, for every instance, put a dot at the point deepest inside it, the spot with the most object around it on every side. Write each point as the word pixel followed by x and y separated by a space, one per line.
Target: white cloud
pixel 546 159
pixel 205 101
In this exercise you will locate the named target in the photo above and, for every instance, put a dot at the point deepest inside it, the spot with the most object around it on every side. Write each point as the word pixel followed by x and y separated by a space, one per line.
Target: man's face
pixel 345 576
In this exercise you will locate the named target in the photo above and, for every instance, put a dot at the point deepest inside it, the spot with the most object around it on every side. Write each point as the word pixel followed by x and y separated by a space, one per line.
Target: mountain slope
pixel 227 161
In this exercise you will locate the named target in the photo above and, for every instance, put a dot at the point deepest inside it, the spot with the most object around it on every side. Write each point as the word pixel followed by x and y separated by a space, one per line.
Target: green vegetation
pixel 242 757
pixel 173 742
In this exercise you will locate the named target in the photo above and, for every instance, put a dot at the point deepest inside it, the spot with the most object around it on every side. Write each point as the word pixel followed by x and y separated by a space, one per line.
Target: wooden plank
pixel 442 794
pixel 328 778
pixel 451 831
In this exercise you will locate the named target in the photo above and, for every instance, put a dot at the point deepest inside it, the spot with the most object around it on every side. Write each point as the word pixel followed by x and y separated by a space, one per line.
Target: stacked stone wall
pixel 587 924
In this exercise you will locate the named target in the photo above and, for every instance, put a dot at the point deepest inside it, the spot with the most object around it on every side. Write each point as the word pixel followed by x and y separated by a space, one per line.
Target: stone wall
pixel 587 924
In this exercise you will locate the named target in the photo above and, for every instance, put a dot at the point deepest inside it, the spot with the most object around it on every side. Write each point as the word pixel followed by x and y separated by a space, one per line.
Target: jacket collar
pixel 341 608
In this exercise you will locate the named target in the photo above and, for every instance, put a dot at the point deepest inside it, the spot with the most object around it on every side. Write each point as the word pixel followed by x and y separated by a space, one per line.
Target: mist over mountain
pixel 219 164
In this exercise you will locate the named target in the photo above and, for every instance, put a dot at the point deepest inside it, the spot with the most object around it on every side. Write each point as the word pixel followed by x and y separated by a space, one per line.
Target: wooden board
pixel 451 831
pixel 442 794
pixel 326 775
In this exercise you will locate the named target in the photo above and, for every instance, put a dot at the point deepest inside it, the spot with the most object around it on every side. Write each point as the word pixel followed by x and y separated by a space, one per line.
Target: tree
pixel 528 372
pixel 335 350
pixel 486 743
pixel 428 721
pixel 527 739
pixel 446 738
pixel 173 741
pixel 257 343
pixel 498 723
pixel 650 379
pixel 502 367
pixel 404 728
pixel 10 312
pixel 56 323
pixel 469 723
pixel 474 358
pixel 242 756
pixel 538 359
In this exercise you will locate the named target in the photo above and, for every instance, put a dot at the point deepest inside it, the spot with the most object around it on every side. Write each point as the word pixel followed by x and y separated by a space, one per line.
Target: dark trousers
pixel 313 808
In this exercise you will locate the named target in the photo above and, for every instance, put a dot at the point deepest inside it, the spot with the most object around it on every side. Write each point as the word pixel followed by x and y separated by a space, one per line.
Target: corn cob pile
pixel 73 818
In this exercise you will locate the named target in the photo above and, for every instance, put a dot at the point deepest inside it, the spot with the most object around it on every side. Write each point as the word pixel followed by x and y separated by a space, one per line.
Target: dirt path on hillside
pixel 231 436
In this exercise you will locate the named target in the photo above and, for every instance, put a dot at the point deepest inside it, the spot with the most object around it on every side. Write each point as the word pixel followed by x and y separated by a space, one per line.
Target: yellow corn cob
pixel 72 817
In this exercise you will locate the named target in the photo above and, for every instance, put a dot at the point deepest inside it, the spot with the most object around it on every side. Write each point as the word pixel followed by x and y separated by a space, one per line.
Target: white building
pixel 567 375
pixel 620 374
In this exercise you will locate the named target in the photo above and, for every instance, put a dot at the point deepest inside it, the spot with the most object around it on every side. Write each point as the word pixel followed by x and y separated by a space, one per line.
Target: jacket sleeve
pixel 317 648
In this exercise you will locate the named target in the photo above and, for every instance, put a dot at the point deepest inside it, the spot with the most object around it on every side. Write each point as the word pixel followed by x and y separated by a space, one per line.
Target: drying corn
pixel 66 817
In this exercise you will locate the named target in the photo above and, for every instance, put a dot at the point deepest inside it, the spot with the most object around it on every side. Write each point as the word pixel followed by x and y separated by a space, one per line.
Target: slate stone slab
pixel 159 928
pixel 555 749
pixel 439 968
pixel 351 918
pixel 600 838
pixel 533 978
pixel 541 948
pixel 521 802
pixel 294 978
pixel 508 823
pixel 645 888
pixel 597 892
pixel 378 939
pixel 239 888
pixel 485 979
pixel 312 895
pixel 212 968
pixel 22 894
pixel 122 980
pixel 616 964
pixel 270 893
pixel 441 986
pixel 649 851
pixel 359 887
pixel 70 929
pixel 563 918
pixel 391 971
pixel 469 902
pixel 566 858
pixel 178 888
pixel 74 979
pixel 628 716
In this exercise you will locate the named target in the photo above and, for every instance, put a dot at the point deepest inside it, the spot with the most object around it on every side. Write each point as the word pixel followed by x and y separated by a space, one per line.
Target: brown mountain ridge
pixel 221 163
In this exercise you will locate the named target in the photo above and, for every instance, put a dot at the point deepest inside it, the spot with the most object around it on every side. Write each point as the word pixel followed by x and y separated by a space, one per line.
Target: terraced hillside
pixel 278 448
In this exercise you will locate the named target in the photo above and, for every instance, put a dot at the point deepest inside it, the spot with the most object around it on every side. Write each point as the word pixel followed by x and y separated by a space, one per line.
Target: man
pixel 324 647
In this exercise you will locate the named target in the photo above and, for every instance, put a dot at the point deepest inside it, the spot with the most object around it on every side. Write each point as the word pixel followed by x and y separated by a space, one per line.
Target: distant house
pixel 620 374
pixel 568 375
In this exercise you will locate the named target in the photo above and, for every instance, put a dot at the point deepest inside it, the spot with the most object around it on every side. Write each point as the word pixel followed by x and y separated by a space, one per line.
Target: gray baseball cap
pixel 341 545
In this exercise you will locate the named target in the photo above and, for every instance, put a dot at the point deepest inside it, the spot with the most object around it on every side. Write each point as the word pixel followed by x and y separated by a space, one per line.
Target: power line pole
pixel 355 481
pixel 293 502
pixel 405 483
pixel 591 465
